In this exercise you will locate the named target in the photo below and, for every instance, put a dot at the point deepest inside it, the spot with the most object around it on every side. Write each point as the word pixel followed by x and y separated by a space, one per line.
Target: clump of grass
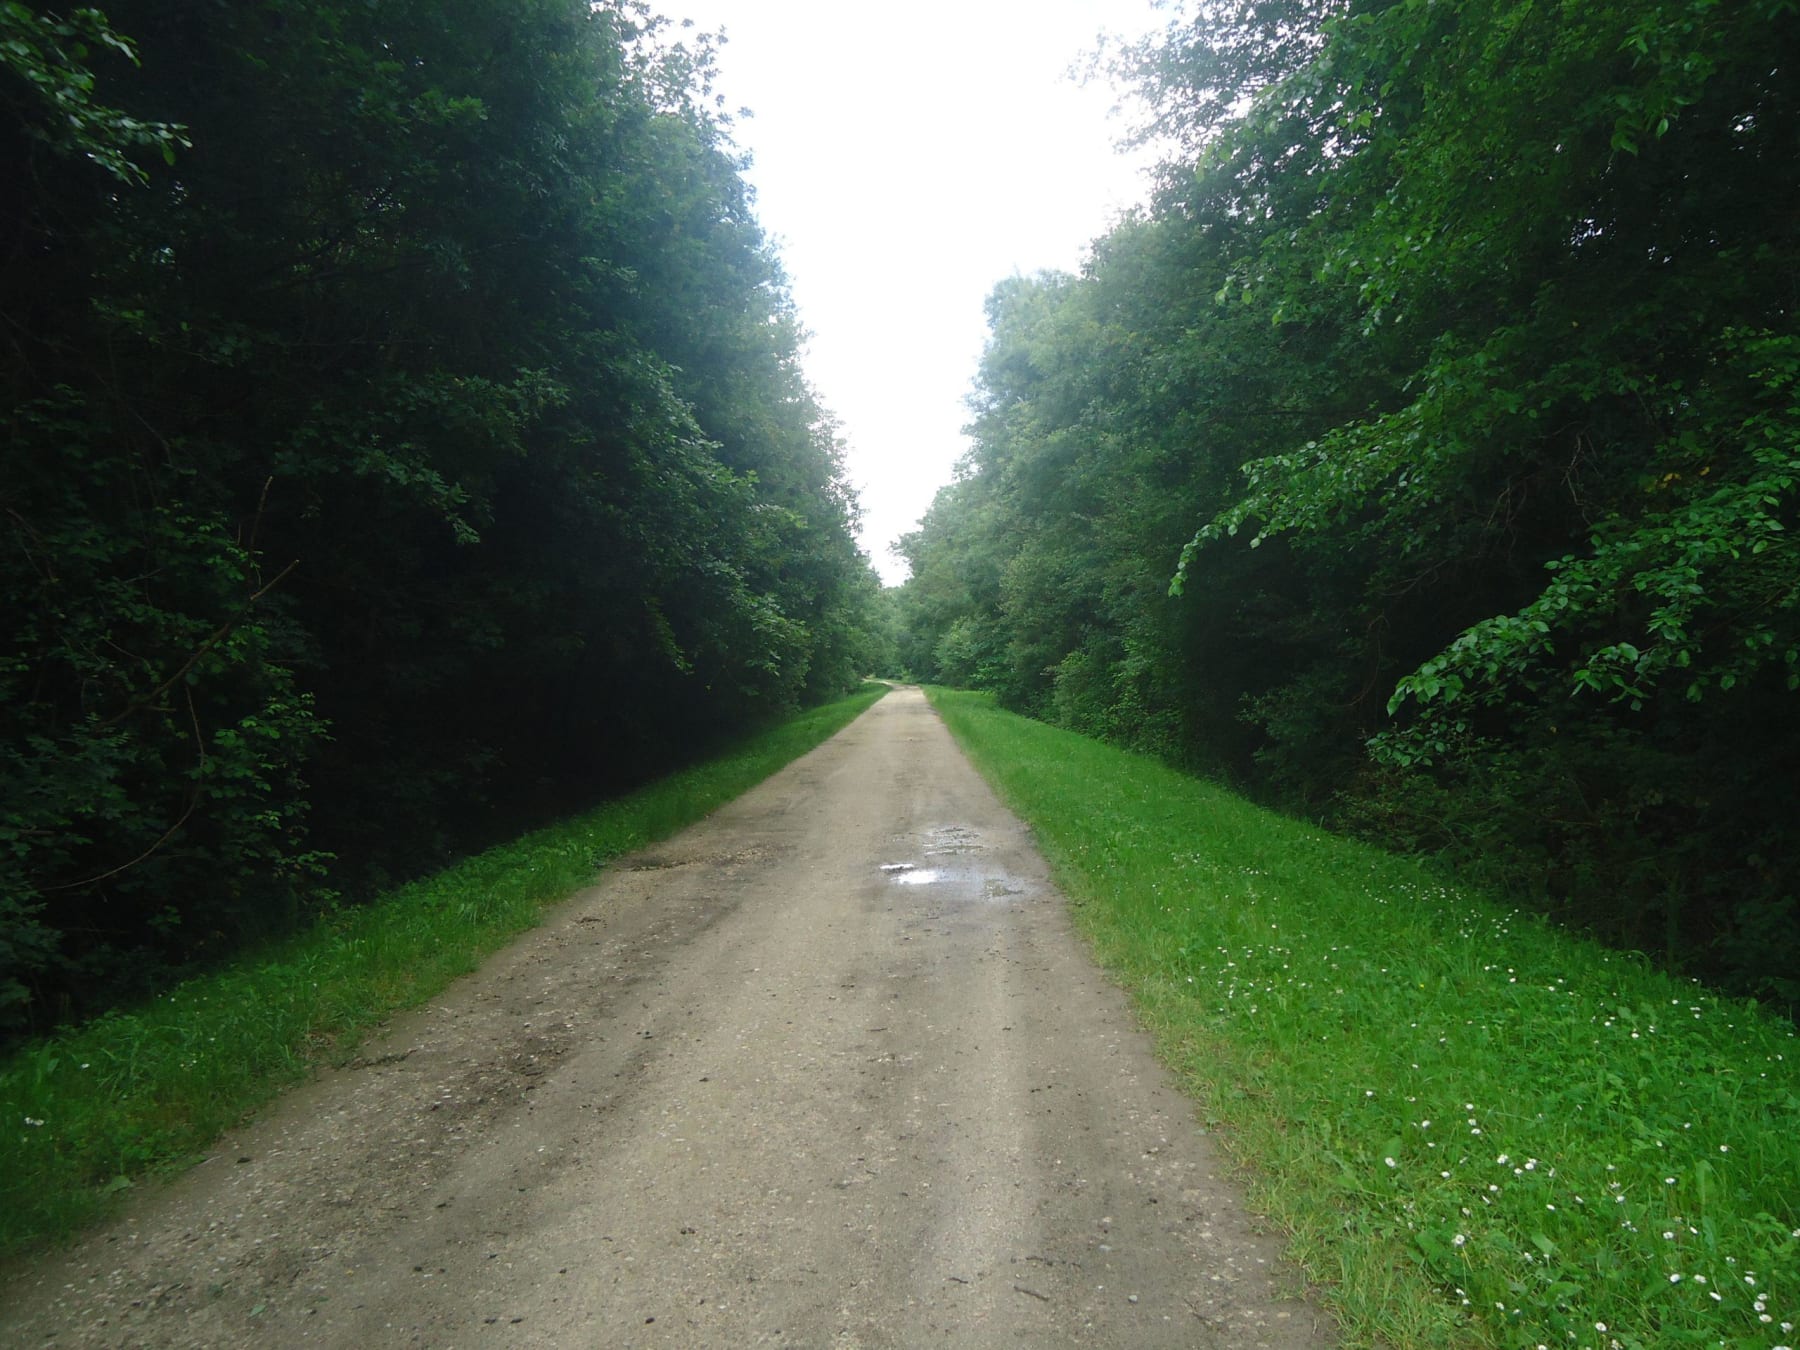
pixel 88 1113
pixel 1477 1129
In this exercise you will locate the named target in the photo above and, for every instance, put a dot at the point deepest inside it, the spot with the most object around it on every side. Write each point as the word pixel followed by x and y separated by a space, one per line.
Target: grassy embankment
pixel 1478 1130
pixel 86 1114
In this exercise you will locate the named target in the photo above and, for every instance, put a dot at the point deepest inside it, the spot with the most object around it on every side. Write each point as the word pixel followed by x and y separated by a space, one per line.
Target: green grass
pixel 1476 1129
pixel 92 1112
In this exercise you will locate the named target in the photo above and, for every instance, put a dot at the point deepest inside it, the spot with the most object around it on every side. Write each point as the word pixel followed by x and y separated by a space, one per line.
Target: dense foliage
pixel 1454 374
pixel 404 429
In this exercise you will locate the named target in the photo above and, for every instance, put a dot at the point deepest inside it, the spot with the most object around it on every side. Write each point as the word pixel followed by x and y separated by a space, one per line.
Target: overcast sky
pixel 907 158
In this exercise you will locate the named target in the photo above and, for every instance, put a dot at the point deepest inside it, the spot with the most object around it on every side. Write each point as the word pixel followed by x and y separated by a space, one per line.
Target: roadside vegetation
pixel 89 1113
pixel 391 395
pixel 1477 1128
pixel 1450 377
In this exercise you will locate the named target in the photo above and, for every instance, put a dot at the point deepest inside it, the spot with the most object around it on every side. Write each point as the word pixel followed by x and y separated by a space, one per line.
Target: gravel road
pixel 828 1069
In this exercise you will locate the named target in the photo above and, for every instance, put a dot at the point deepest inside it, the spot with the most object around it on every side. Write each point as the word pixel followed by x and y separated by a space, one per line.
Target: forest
pixel 1422 458
pixel 405 443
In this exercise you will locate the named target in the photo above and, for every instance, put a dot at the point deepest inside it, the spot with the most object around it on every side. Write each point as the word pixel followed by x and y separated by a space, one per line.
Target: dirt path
pixel 828 1069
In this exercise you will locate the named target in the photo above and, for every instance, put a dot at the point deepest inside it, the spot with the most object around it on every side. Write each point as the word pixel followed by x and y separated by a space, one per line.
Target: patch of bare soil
pixel 829 1069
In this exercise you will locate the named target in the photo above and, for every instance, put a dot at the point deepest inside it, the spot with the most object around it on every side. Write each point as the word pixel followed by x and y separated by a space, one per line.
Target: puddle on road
pixel 975 880
pixel 911 874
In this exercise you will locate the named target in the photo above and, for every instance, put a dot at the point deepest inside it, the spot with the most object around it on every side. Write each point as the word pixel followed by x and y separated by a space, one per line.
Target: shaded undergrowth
pixel 1477 1129
pixel 89 1113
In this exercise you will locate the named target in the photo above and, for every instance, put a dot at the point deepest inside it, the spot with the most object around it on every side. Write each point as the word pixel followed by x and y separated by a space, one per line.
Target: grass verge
pixel 1477 1129
pixel 89 1113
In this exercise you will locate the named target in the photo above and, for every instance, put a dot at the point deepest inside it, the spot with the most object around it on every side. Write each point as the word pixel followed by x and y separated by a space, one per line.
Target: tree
pixel 1465 335
pixel 424 447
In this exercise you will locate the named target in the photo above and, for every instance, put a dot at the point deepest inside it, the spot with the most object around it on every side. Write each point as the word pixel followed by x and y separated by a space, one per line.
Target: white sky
pixel 907 158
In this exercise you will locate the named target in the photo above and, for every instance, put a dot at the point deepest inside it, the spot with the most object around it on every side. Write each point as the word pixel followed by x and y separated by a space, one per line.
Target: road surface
pixel 828 1069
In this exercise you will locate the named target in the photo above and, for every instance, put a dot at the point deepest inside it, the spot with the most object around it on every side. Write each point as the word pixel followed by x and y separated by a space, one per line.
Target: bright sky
pixel 907 158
